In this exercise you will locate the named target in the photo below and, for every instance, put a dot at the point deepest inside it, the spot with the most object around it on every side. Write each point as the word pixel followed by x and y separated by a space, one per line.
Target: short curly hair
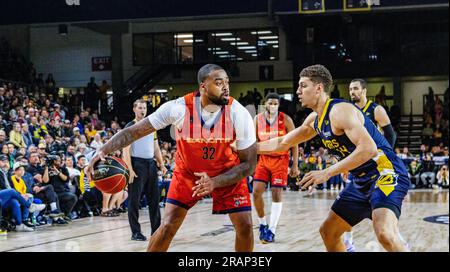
pixel 318 74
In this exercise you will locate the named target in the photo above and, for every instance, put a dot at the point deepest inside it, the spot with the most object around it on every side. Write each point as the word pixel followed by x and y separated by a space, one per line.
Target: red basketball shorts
pixel 273 169
pixel 230 199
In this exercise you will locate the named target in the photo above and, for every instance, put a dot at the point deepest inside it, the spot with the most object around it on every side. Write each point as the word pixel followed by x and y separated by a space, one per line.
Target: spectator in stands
pixel 415 168
pixel 380 98
pixel 405 154
pixel 97 142
pixel 438 109
pixel 427 172
pixel 26 135
pixel 335 93
pixel 92 94
pixel 443 177
pixel 424 149
pixel 437 135
pixel 20 208
pixel 59 178
pixel 15 136
pixel 69 164
pixel 2 137
pixel 429 101
pixel 427 134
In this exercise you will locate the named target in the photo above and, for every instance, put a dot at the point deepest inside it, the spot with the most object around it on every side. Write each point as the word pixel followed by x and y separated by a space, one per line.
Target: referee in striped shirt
pixel 140 157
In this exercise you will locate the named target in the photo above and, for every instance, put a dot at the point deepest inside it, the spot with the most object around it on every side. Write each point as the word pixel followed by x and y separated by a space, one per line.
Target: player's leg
pixel 258 200
pixel 386 201
pixel 385 225
pixel 331 231
pixel 261 178
pixel 275 213
pixel 243 226
pixel 173 218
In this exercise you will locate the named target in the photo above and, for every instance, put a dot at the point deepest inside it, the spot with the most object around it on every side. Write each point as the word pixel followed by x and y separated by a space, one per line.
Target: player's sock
pixel 262 221
pixel 275 215
pixel 348 237
pixel 403 240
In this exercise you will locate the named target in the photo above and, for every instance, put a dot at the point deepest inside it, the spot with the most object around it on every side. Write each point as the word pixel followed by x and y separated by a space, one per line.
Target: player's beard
pixel 356 99
pixel 220 101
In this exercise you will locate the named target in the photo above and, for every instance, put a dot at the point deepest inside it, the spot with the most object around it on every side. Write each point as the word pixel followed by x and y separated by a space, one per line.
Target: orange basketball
pixel 111 176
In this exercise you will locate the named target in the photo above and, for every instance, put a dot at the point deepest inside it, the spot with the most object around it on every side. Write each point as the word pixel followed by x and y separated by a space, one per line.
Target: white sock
pixel 401 238
pixel 53 206
pixel 348 237
pixel 262 221
pixel 275 215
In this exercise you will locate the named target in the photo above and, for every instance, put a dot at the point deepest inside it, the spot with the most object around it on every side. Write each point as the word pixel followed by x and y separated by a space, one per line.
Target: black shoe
pixel 138 237
pixel 122 210
pixel 28 223
pixel 59 222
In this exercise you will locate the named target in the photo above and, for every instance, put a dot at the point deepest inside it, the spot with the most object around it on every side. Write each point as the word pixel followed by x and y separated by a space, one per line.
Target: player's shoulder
pixel 342 107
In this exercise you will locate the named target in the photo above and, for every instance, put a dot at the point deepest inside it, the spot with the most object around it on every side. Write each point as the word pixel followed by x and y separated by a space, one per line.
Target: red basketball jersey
pixel 267 131
pixel 201 149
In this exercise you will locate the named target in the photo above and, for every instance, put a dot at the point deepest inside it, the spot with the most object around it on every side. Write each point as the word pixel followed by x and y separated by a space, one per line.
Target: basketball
pixel 111 176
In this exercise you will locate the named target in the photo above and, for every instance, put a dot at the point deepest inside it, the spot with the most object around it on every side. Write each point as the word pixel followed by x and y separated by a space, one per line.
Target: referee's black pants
pixel 146 182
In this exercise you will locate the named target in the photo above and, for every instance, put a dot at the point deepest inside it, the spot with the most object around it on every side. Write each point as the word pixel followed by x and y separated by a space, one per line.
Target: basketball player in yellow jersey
pixel 380 181
pixel 378 115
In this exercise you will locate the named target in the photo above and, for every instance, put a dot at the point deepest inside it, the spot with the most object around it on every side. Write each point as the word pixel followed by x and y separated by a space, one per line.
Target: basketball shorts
pixel 273 169
pixel 230 199
pixel 363 195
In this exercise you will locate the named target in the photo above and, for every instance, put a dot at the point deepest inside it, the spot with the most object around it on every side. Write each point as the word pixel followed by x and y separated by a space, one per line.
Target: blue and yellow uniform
pixel 381 182
pixel 369 110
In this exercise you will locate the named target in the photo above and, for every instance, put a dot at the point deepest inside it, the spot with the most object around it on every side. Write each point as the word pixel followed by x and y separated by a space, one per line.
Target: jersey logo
pixel 387 183
pixel 327 122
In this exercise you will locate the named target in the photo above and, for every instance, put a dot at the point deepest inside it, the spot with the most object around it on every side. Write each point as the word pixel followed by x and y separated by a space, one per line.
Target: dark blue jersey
pixel 385 163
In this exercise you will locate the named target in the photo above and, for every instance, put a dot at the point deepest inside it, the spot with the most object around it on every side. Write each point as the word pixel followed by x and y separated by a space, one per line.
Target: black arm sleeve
pixel 389 134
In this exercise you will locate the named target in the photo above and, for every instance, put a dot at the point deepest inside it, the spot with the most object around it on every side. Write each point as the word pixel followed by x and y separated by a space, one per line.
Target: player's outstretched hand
pixel 313 178
pixel 99 155
pixel 204 186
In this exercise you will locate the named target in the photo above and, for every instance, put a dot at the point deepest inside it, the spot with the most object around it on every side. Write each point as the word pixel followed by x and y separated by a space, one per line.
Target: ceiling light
pixel 251 51
pixel 222 34
pixel 246 47
pixel 230 39
pixel 239 43
pixel 183 36
pixel 271 42
pixel 261 32
pixel 221 52
pixel 275 46
pixel 268 37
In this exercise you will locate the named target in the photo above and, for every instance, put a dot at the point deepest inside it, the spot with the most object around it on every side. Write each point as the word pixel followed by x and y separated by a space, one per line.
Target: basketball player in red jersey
pixel 272 168
pixel 207 122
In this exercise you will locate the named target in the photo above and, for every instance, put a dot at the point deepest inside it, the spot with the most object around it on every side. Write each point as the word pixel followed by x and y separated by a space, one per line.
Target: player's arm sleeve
pixel 169 113
pixel 389 134
pixel 244 127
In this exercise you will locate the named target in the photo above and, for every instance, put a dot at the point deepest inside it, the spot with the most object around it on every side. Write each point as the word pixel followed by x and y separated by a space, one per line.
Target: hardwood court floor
pixel 202 231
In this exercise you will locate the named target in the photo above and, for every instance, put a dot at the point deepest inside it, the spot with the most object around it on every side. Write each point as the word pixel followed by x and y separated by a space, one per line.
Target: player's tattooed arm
pixel 122 139
pixel 205 185
pixel 127 136
pixel 247 166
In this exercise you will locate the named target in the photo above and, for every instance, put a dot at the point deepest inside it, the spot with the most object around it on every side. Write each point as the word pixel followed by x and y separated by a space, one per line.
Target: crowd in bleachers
pixel 45 145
